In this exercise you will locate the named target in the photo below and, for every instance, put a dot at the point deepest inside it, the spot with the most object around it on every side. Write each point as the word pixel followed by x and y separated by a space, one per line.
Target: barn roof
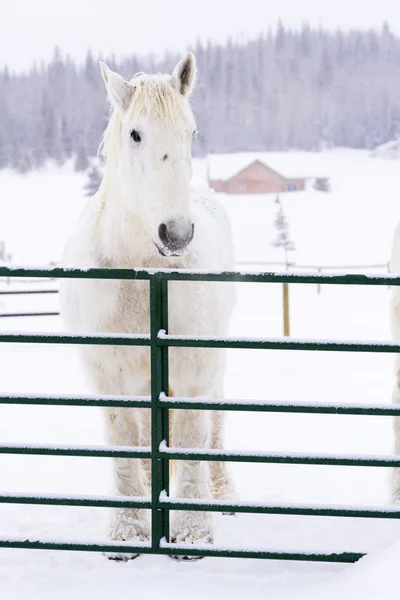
pixel 291 165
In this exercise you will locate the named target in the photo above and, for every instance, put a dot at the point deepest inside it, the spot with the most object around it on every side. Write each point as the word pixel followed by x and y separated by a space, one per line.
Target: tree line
pixel 286 89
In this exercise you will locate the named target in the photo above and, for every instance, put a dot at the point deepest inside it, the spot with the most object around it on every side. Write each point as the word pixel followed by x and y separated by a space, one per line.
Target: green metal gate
pixel 160 453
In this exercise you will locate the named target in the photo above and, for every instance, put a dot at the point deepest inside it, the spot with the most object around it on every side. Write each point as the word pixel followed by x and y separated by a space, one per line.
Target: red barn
pixel 252 173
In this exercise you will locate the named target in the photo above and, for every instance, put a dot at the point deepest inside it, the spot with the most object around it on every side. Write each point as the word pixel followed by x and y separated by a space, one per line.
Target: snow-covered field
pixel 350 226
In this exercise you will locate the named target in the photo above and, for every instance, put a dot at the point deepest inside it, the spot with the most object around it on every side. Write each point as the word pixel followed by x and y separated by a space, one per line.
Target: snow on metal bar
pixel 340 268
pixel 77 400
pixel 60 500
pixel 59 273
pixel 275 277
pixel 338 408
pixel 98 339
pixel 196 275
pixel 276 343
pixel 275 554
pixel 57 450
pixel 354 460
pixel 85 546
pixel 378 512
pixel 176 549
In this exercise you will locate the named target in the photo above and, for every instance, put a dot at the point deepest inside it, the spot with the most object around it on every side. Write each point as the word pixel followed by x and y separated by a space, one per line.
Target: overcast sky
pixel 29 29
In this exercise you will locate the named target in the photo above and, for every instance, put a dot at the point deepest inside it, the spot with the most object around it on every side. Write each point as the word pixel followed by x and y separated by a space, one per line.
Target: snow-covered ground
pixel 352 225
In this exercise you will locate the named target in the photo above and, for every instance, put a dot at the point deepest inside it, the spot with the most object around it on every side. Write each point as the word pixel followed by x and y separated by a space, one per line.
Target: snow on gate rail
pixel 159 403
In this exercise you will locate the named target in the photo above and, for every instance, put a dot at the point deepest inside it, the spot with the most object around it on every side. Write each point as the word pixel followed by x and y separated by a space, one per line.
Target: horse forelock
pixel 154 98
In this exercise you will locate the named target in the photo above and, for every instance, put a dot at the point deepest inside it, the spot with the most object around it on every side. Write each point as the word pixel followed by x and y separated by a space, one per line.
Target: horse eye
pixel 195 132
pixel 135 136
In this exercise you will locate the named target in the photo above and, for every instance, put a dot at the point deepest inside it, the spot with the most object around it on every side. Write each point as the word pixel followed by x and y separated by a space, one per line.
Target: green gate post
pixel 159 414
pixel 164 412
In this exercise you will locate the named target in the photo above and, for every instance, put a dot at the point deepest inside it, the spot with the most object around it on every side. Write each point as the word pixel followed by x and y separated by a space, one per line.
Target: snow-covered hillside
pixel 352 225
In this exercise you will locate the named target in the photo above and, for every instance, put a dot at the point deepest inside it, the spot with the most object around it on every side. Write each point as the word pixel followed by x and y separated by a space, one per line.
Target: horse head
pixel 147 146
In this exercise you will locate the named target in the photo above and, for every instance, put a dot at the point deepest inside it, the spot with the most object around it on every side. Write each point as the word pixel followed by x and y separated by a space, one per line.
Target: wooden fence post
pixel 286 306
pixel 286 310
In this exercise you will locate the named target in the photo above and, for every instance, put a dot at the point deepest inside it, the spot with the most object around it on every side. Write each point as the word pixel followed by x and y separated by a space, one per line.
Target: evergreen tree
pixel 91 71
pixel 4 158
pixel 81 160
pixel 325 71
pixel 281 224
pixel 93 181
pixel 24 162
pixel 66 139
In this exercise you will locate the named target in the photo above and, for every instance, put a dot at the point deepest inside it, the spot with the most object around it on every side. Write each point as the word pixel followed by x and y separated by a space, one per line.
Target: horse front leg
pixel 124 427
pixel 192 429
pixel 221 482
pixel 130 476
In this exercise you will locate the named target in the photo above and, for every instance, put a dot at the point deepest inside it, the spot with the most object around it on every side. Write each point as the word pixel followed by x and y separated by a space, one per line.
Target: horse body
pixel 147 215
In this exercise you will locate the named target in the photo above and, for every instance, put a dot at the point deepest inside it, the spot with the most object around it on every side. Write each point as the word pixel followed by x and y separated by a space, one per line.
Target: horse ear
pixel 184 74
pixel 120 92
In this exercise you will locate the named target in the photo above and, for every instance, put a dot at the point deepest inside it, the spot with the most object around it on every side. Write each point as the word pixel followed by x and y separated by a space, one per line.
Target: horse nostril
pixel 163 233
pixel 175 235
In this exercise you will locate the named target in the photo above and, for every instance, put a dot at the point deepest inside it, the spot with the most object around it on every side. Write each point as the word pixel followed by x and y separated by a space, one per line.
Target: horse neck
pixel 121 233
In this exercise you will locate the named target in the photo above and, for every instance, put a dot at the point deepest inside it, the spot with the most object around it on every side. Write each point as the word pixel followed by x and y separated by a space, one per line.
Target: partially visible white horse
pixel 395 323
pixel 146 214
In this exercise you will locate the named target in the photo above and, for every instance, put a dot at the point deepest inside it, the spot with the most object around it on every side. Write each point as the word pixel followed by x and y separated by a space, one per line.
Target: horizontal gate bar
pixel 103 339
pixel 85 546
pixel 286 277
pixel 204 342
pixel 379 512
pixel 189 275
pixel 76 400
pixel 207 455
pixel 60 273
pixel 179 550
pixel 376 512
pixel 100 451
pixel 18 292
pixel 186 341
pixel 205 404
pixel 274 457
pixel 30 314
pixel 279 406
pixel 59 500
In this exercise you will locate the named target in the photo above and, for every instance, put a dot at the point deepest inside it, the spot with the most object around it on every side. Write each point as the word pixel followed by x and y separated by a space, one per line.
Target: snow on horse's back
pixel 146 214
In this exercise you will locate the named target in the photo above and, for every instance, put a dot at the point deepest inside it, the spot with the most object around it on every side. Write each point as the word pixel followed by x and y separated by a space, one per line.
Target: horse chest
pixel 131 307
pixel 130 310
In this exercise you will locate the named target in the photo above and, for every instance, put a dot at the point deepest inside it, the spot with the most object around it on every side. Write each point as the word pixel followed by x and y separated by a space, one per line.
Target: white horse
pixel 146 214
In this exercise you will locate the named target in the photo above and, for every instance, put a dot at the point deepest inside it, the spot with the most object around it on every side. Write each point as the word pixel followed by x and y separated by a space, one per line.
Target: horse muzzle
pixel 174 237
